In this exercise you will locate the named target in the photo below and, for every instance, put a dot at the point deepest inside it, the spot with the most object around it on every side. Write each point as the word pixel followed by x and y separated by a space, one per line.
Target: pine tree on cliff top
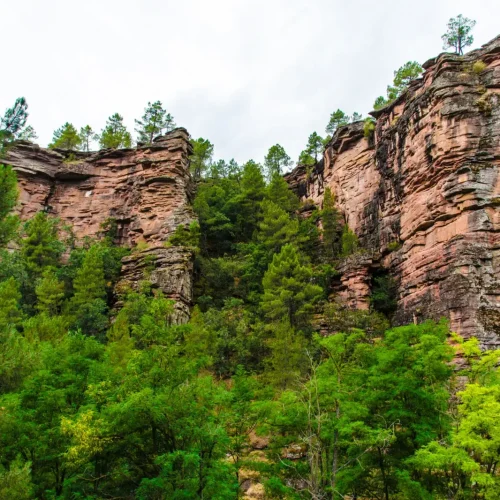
pixel 115 134
pixel 458 35
pixel 154 121
pixel 66 137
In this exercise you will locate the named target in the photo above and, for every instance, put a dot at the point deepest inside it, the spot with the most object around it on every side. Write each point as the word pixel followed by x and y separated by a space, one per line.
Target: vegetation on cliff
pixel 272 384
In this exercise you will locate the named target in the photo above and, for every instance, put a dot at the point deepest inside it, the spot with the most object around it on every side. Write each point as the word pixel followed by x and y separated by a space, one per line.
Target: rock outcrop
pixel 146 190
pixel 423 194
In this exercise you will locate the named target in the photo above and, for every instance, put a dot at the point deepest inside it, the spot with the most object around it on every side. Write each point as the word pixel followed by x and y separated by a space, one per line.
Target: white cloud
pixel 244 73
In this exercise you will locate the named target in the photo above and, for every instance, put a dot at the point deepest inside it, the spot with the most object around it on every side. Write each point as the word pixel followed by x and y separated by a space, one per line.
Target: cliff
pixel 423 195
pixel 147 190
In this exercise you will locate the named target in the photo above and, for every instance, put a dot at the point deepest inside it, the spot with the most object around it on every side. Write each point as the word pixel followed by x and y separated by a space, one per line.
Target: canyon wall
pixel 423 195
pixel 146 190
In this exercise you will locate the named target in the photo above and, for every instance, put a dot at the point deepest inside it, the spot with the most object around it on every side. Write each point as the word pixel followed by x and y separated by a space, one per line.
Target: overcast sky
pixel 245 74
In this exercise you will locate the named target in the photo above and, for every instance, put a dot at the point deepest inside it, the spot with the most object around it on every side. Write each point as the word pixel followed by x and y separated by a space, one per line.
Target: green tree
pixel 406 74
pixel 66 137
pixel 87 135
pixel 10 298
pixel 16 481
pixel 278 191
pixel 115 134
pixel 8 200
pixel 201 158
pixel 409 72
pixel 315 147
pixel 276 161
pixel 289 293
pixel 330 220
pixel 458 35
pixel 287 361
pixel 41 247
pixel 337 119
pixel 49 293
pixel 154 121
pixel 88 304
pixel 276 228
pixel 13 124
pixel 349 242
pixel 380 102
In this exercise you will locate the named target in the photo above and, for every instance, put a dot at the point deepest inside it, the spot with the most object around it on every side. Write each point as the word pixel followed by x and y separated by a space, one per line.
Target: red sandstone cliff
pixel 429 180
pixel 147 190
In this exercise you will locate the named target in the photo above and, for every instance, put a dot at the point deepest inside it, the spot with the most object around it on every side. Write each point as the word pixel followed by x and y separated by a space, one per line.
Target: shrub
pixel 393 246
pixel 369 128
pixel 478 67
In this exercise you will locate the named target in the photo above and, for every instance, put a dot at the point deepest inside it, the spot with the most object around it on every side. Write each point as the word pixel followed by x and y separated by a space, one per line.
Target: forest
pixel 272 383
pixel 273 388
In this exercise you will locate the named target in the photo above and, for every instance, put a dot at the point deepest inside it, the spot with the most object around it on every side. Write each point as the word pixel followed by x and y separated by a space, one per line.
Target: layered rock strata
pixel 145 190
pixel 423 194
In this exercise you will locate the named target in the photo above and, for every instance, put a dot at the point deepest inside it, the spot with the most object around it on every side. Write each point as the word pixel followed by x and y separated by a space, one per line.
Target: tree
pixel 154 121
pixel 87 135
pixel 201 158
pixel 88 304
pixel 278 191
pixel 337 119
pixel 458 35
pixel 380 102
pixel 406 74
pixel 49 293
pixel 356 117
pixel 8 200
pixel 409 72
pixel 314 148
pixel 10 298
pixel 13 124
pixel 276 228
pixel 276 161
pixel 289 293
pixel 66 137
pixel 41 247
pixel 115 134
pixel 330 219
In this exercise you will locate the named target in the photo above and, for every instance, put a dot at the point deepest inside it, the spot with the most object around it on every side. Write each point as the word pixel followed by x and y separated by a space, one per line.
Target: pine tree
pixel 41 247
pixel 287 360
pixel 87 135
pixel 115 134
pixel 13 124
pixel 458 35
pixel 249 200
pixel 278 191
pixel 203 151
pixel 276 161
pixel 8 200
pixel 409 72
pixel 66 137
pixel 88 304
pixel 337 119
pixel 276 227
pixel 349 242
pixel 49 293
pixel 288 289
pixel 330 219
pixel 10 298
pixel 154 121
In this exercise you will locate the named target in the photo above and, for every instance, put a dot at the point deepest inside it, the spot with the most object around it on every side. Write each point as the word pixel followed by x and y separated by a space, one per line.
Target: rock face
pixel 423 194
pixel 146 190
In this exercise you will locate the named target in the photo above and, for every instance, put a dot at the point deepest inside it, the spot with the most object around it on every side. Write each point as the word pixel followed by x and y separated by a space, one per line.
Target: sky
pixel 246 74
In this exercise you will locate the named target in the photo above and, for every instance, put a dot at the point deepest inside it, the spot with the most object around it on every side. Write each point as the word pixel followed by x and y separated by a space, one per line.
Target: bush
pixel 369 128
pixel 478 67
pixel 393 246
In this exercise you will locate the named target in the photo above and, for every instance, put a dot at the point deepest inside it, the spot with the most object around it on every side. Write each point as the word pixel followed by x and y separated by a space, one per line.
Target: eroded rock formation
pixel 423 194
pixel 146 190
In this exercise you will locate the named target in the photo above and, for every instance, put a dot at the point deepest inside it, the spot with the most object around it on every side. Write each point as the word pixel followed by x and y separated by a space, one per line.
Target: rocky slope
pixel 146 190
pixel 423 195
